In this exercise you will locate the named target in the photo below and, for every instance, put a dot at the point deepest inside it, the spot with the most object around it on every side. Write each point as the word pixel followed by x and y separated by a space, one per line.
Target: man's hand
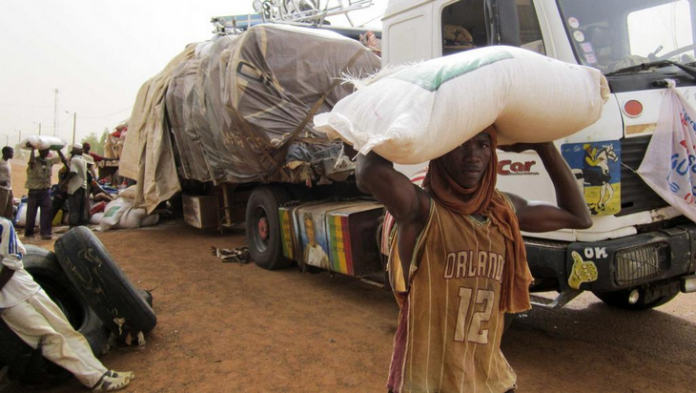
pixel 571 212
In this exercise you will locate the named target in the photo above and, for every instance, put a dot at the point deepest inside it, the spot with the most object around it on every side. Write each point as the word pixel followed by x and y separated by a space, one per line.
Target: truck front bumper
pixel 606 266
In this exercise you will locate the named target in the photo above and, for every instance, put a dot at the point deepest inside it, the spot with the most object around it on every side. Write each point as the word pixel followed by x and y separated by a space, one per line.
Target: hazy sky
pixel 97 53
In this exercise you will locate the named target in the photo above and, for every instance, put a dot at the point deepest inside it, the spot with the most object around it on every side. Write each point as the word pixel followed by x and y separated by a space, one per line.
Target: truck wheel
pixel 102 284
pixel 263 227
pixel 619 299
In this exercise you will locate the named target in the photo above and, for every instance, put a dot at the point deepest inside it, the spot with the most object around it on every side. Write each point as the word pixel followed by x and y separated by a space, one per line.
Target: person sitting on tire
pixel 35 318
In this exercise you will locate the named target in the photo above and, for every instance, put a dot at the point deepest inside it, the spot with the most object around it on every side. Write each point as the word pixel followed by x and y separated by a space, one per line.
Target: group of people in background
pixel 76 181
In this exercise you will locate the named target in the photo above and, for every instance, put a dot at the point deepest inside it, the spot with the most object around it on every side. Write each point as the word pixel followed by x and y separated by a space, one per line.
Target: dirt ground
pixel 225 327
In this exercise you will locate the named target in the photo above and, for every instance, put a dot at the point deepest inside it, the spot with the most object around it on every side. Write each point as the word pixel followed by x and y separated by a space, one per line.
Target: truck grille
pixel 637 264
pixel 636 196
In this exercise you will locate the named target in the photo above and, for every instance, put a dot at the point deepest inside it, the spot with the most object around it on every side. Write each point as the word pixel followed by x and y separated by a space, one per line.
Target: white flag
pixel 669 166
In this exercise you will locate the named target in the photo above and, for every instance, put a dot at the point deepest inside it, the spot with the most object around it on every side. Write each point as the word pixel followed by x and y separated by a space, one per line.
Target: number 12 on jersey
pixel 474 333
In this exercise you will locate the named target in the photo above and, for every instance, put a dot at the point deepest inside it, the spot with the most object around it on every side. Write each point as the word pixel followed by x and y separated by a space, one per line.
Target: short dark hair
pixel 7 150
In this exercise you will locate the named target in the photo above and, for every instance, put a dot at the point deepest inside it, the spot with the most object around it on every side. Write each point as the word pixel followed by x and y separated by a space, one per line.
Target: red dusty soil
pixel 225 327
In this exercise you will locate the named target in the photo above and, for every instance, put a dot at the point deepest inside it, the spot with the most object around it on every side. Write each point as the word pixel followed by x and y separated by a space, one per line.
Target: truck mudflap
pixel 612 265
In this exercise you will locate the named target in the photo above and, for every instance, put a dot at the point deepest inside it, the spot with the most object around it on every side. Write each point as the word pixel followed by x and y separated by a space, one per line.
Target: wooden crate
pixel 201 211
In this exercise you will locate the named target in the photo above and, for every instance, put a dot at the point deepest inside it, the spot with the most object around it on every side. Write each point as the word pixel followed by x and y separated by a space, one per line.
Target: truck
pixel 640 249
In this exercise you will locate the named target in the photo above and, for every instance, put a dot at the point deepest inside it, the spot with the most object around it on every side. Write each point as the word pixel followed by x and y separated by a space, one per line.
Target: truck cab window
pixel 612 36
pixel 530 32
pixel 464 26
pixel 663 31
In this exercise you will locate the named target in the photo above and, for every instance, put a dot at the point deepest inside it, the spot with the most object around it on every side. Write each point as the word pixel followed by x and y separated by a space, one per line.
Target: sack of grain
pixel 415 113
pixel 42 142
pixel 113 213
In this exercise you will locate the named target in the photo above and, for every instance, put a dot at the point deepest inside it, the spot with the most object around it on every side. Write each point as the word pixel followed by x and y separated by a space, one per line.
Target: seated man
pixel 33 316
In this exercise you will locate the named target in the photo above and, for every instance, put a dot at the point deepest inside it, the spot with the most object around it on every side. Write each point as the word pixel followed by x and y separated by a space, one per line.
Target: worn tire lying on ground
pixel 102 284
pixel 47 272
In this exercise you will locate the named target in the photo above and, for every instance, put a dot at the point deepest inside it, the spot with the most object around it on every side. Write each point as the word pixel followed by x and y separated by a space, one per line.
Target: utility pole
pixel 39 129
pixel 20 136
pixel 55 114
pixel 74 122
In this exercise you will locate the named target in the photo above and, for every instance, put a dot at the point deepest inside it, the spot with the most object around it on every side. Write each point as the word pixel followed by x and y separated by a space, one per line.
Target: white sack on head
pixel 42 142
pixel 423 111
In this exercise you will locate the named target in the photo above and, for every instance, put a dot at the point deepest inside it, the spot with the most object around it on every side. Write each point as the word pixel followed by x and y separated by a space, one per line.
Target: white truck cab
pixel 641 249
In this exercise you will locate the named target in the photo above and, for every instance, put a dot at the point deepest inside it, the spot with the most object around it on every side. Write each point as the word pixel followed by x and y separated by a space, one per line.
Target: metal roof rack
pixel 308 11
pixel 295 12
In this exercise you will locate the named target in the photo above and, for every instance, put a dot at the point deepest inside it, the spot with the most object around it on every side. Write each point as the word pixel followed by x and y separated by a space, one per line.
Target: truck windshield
pixel 614 35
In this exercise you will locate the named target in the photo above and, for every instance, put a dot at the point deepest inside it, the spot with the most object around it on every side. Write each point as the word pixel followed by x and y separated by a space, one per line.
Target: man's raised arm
pixel 404 201
pixel 571 212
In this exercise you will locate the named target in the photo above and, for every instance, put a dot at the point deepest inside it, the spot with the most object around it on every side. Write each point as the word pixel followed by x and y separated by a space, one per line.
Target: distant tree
pixel 96 143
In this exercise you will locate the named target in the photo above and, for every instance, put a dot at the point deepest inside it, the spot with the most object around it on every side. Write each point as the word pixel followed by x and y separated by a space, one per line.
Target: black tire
pixel 619 299
pixel 102 284
pixel 147 295
pixel 48 273
pixel 509 319
pixel 266 248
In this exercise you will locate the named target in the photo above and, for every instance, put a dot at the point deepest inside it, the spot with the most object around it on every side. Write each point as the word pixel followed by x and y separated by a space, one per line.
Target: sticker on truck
pixel 597 168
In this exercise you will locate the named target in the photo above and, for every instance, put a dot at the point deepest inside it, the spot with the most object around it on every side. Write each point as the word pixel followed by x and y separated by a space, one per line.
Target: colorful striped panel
pixel 347 246
pixel 337 252
pixel 286 232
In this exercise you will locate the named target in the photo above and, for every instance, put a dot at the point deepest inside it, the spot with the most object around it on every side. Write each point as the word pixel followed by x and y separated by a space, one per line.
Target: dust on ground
pixel 225 327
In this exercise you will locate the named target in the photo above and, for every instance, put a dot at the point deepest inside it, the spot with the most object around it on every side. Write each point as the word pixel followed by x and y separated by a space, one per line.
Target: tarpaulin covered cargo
pixel 147 154
pixel 246 108
pixel 240 107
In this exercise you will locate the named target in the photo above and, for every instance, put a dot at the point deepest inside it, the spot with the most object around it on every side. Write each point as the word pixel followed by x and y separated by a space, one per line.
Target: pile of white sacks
pixel 121 213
